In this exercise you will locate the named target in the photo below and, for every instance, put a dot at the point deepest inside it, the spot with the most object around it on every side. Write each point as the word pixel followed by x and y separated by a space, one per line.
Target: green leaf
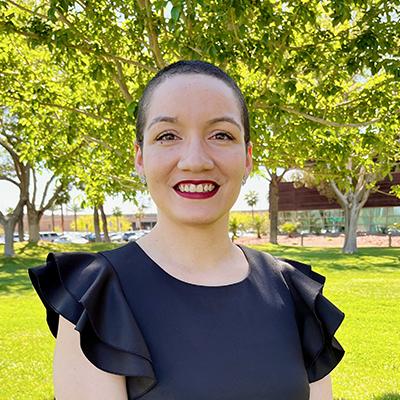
pixel 175 13
pixel 132 108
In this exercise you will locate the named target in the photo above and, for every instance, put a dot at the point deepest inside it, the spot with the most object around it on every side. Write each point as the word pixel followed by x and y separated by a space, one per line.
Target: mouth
pixel 196 189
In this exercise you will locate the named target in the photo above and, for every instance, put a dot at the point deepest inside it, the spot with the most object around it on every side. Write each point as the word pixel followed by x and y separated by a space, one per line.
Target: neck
pixel 193 246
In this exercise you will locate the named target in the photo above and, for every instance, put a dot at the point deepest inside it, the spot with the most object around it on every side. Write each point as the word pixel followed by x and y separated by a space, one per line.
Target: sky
pixel 9 197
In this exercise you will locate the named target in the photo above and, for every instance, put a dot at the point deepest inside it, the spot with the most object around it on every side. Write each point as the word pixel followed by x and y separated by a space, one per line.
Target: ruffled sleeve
pixel 317 319
pixel 84 289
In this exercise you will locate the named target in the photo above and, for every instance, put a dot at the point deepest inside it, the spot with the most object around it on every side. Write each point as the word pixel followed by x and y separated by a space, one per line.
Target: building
pixel 315 213
pixel 47 223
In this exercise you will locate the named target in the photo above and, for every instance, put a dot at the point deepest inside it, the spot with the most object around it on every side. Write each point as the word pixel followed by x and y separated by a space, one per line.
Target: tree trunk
pixel 273 209
pixel 76 221
pixel 9 227
pixel 52 221
pixel 33 224
pixel 324 220
pixel 104 223
pixel 96 223
pixel 8 222
pixel 21 227
pixel 62 218
pixel 352 202
pixel 351 219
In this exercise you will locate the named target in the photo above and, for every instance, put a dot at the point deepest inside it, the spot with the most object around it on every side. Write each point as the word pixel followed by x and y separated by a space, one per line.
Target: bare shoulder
pixel 75 377
pixel 322 389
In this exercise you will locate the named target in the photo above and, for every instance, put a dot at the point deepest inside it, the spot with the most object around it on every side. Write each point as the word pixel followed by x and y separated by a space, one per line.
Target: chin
pixel 197 220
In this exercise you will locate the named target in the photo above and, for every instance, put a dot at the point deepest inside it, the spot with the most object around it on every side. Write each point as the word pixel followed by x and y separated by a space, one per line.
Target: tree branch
pixel 232 17
pixel 119 78
pixel 14 156
pixel 101 54
pixel 34 187
pixel 6 178
pixel 26 9
pixel 45 191
pixel 339 195
pixel 88 139
pixel 326 122
pixel 66 108
pixel 53 198
pixel 155 48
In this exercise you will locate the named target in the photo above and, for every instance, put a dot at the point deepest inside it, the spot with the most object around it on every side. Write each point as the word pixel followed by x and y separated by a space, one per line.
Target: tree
pixel 9 221
pixel 74 207
pixel 234 226
pixel 117 213
pixel 305 67
pixel 80 146
pixel 251 198
pixel 96 223
pixel 362 159
pixel 104 223
pixel 260 225
pixel 13 171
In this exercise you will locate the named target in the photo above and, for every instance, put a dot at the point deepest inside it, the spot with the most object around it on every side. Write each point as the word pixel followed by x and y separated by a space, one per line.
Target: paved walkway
pixel 325 241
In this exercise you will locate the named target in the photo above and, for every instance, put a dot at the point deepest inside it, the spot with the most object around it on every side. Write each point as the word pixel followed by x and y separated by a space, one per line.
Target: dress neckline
pixel 180 281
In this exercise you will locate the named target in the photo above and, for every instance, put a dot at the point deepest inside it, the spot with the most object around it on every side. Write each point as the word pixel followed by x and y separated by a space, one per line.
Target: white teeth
pixel 192 188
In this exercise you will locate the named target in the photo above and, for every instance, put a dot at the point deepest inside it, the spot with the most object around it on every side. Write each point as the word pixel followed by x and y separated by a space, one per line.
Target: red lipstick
pixel 196 195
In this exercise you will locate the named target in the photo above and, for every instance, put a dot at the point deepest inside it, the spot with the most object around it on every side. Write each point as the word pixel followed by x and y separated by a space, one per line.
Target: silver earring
pixel 244 180
pixel 143 179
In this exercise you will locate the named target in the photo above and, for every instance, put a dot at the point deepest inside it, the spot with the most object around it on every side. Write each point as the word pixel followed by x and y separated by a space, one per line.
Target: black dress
pixel 263 338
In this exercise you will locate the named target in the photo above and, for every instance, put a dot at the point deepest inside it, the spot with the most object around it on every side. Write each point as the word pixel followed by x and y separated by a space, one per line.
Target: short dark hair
pixel 183 68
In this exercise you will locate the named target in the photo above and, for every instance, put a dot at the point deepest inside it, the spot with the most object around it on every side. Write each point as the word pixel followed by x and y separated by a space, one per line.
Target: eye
pixel 223 136
pixel 167 136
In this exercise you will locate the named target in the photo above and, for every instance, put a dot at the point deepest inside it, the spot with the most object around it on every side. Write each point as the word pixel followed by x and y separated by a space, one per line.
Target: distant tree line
pixel 321 80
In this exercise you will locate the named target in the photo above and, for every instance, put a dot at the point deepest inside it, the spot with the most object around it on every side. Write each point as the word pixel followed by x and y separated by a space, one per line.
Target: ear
pixel 249 158
pixel 138 159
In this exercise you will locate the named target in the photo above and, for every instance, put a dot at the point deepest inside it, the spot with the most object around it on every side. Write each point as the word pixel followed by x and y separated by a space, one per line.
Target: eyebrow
pixel 223 119
pixel 164 118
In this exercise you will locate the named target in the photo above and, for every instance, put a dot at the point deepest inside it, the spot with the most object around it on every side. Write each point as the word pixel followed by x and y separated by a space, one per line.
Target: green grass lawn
pixel 366 286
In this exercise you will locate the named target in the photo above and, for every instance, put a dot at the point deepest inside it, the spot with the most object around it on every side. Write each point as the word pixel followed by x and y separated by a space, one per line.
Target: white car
pixel 49 236
pixel 71 237
pixel 116 237
pixel 137 235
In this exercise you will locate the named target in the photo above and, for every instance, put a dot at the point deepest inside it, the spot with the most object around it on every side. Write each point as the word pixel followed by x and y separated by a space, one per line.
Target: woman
pixel 183 313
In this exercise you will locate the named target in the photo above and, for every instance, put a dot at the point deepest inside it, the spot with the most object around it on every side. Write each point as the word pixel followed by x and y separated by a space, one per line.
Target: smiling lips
pixel 196 189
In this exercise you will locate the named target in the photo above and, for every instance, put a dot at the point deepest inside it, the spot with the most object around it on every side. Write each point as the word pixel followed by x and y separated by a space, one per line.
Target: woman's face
pixel 194 155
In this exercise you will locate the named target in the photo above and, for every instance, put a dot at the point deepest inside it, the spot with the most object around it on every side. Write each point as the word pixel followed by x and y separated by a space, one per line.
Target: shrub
pixel 289 228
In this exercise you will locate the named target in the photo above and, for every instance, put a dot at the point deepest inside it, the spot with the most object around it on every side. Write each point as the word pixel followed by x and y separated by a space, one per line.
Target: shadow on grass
pixel 371 259
pixel 14 277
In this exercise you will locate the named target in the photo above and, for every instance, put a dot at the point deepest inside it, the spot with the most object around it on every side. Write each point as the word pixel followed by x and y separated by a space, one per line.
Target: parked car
pixel 15 238
pixel 137 235
pixel 92 237
pixel 71 237
pixel 393 231
pixel 128 234
pixel 116 236
pixel 49 236
pixel 62 239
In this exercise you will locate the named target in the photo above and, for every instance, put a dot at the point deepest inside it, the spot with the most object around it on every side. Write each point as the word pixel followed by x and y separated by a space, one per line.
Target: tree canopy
pixel 320 77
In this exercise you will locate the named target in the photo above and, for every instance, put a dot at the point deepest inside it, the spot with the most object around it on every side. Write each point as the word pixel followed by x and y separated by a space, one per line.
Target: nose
pixel 195 157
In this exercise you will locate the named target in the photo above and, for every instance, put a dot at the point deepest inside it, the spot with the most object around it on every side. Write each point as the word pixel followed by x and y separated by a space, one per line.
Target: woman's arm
pixel 77 378
pixel 322 389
